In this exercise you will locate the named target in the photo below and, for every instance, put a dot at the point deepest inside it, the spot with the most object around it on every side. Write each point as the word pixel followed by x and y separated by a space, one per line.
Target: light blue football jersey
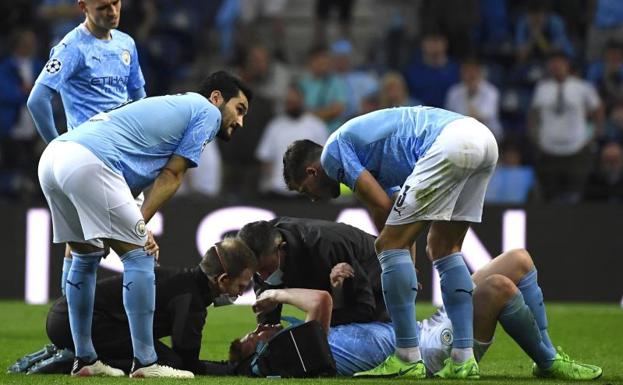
pixel 360 346
pixel 138 138
pixel 387 143
pixel 90 74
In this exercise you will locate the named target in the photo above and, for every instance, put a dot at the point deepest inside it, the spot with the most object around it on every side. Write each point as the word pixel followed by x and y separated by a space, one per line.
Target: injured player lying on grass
pixel 504 291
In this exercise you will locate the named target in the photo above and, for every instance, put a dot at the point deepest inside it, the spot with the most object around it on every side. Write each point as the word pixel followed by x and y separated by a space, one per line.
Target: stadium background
pixel 572 231
pixel 574 236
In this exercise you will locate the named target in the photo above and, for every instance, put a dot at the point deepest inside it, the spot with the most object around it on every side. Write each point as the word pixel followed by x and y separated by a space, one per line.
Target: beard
pixel 223 135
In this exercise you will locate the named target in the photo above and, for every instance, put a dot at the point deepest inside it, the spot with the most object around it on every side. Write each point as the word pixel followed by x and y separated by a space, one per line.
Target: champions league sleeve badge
pixel 53 66
pixel 126 57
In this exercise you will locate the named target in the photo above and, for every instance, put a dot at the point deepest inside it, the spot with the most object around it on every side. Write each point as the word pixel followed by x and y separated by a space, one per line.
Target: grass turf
pixel 591 333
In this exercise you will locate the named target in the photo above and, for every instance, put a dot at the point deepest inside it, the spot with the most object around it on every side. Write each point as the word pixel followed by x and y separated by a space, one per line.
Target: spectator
pixel 258 15
pixel 539 32
pixel 476 97
pixel 323 10
pixel 431 72
pixel 18 135
pixel 455 19
pixel 560 109
pixel 226 21
pixel 294 124
pixel 18 72
pixel 492 33
pixel 268 76
pixel 512 182
pixel 358 83
pixel 614 124
pixel 607 74
pixel 607 24
pixel 394 92
pixel 606 183
pixel 61 15
pixel 325 95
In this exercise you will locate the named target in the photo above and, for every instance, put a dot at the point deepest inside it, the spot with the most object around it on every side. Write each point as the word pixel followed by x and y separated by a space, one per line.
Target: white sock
pixel 409 354
pixel 460 355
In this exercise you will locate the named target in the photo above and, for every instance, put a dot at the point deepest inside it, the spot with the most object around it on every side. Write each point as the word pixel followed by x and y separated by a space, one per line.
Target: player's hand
pixel 266 302
pixel 339 273
pixel 151 247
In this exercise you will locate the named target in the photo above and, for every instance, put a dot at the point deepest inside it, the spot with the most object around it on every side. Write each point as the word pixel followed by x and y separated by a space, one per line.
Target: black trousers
pixel 111 339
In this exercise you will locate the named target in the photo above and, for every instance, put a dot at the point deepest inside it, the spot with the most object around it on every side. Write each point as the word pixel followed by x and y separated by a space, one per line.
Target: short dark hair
pixel 259 236
pixel 298 155
pixel 235 351
pixel 228 84
pixel 236 257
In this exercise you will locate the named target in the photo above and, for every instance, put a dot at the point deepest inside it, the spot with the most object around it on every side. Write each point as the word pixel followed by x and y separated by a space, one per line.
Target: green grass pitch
pixel 588 332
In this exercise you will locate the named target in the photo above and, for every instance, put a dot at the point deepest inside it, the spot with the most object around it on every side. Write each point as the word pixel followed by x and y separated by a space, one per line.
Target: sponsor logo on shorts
pixel 53 66
pixel 446 337
pixel 401 200
pixel 140 228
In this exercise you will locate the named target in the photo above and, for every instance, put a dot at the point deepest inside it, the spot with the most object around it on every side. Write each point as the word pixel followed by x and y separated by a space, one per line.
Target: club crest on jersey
pixel 446 337
pixel 140 228
pixel 125 57
pixel 53 66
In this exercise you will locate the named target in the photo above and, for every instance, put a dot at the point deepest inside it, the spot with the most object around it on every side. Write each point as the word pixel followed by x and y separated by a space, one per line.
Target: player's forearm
pixel 165 185
pixel 40 107
pixel 317 304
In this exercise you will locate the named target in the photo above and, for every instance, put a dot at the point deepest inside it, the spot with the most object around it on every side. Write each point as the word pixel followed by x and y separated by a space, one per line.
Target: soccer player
pixel 225 270
pixel 93 68
pixel 90 177
pixel 443 161
pixel 506 292
pixel 318 254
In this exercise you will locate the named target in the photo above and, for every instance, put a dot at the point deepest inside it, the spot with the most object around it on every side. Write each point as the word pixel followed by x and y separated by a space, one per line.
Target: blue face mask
pixel 276 278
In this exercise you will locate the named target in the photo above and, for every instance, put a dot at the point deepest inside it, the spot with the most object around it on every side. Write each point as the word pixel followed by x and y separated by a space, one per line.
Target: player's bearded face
pixel 232 116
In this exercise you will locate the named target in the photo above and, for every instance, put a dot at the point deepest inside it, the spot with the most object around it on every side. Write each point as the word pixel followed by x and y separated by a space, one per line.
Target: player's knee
pixel 523 260
pixel 496 288
pixel 379 243
pixel 384 242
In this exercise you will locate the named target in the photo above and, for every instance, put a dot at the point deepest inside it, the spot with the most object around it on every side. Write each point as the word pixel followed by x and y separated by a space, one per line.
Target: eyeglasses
pixel 220 259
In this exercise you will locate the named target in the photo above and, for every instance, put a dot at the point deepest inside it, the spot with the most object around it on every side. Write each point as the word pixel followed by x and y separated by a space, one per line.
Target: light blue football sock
pixel 399 283
pixel 456 291
pixel 533 296
pixel 518 321
pixel 66 267
pixel 80 291
pixel 139 300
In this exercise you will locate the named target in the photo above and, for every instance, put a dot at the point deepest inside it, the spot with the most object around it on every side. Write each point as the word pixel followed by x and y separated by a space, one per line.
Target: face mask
pixel 294 113
pixel 224 300
pixel 276 278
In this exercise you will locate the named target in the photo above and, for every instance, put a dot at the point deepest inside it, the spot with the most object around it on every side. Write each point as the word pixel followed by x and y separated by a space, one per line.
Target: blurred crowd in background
pixel 545 76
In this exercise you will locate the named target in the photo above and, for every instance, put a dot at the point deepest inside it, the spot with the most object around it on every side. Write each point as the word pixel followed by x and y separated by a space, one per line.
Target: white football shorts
pixel 88 201
pixel 449 182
